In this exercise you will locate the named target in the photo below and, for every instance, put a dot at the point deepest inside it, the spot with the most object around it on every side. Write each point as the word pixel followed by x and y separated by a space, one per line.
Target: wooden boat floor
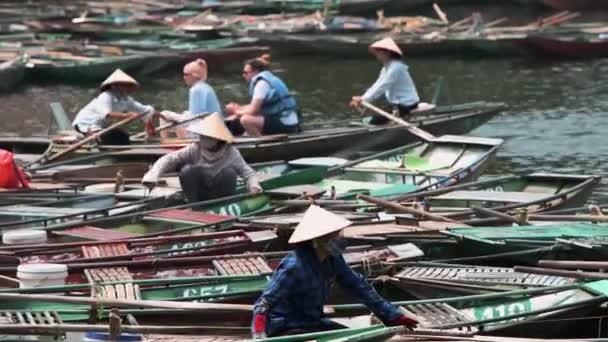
pixel 493 196
pixel 94 233
pixel 30 317
pixel 434 314
pixel 189 215
pixel 492 275
pixel 240 266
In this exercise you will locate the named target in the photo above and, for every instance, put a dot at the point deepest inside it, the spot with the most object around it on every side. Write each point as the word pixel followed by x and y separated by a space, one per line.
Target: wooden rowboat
pixel 134 248
pixel 444 120
pixel 576 4
pixel 534 313
pixel 582 46
pixel 536 192
pixel 11 73
pixel 531 241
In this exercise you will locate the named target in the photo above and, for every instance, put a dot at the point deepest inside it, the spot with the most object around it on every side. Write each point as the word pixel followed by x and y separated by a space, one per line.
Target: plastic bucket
pixel 41 275
pixel 24 237
pixel 102 337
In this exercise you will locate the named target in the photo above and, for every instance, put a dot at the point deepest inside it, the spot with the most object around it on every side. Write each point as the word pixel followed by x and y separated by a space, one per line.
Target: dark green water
pixel 557 119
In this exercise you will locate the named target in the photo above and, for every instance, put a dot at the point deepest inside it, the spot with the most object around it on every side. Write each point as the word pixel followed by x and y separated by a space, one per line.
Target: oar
pixel 130 303
pixel 402 209
pixel 170 125
pixel 92 137
pixel 411 128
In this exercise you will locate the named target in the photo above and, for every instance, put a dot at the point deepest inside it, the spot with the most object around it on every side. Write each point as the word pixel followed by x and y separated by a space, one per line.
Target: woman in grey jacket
pixel 209 167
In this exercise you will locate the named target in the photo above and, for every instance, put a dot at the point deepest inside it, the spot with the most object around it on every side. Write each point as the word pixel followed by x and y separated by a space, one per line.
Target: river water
pixel 556 119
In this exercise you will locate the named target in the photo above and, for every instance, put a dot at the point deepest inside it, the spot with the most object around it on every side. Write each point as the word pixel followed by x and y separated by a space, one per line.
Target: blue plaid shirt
pixel 300 288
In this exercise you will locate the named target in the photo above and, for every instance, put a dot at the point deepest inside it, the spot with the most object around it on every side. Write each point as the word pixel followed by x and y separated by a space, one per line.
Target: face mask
pixel 335 247
pixel 208 143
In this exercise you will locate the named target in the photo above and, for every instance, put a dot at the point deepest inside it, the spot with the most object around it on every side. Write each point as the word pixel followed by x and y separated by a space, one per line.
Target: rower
pixel 210 166
pixel 394 82
pixel 293 301
pixel 272 109
pixel 113 102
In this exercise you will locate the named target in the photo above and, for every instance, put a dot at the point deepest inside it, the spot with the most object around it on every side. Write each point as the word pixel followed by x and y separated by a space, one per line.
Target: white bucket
pixel 24 237
pixel 41 275
pixel 102 337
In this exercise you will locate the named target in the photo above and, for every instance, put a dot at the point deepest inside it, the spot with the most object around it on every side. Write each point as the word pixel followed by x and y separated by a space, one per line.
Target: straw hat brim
pixel 317 222
pixel 212 126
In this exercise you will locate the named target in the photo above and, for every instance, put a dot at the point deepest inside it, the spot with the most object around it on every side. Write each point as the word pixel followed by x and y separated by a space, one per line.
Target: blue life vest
pixel 277 101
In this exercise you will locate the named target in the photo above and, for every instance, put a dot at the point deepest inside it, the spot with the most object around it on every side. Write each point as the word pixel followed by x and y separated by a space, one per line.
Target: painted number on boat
pixel 502 310
pixel 233 209
pixel 178 247
pixel 497 188
pixel 205 291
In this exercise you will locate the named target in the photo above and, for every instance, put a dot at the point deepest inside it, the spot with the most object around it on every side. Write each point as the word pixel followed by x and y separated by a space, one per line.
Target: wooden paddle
pixel 419 132
pixel 170 125
pixel 92 137
pixel 131 303
pixel 402 209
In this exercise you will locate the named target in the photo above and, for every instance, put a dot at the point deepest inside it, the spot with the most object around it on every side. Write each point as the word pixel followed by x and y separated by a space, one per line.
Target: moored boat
pixel 12 73
pixel 576 4
pixel 536 192
pixel 458 119
pixel 568 46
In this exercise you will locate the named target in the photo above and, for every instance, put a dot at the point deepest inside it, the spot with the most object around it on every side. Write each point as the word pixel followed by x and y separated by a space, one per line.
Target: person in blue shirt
pixel 272 109
pixel 202 99
pixel 293 301
pixel 394 82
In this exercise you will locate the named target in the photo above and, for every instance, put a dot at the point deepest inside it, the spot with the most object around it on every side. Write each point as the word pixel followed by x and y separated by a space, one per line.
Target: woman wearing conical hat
pixel 113 102
pixel 201 97
pixel 299 288
pixel 209 167
pixel 394 82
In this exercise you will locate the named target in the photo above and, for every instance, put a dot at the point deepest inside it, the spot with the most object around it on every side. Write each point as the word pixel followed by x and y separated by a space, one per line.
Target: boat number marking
pixel 490 312
pixel 233 209
pixel 205 291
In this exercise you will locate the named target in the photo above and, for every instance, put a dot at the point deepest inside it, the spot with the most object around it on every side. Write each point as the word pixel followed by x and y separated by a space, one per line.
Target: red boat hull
pixel 566 48
pixel 576 4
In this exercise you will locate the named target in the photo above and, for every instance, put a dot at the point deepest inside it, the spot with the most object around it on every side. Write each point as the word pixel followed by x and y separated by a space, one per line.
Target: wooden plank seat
pixel 113 274
pixel 436 314
pixel 493 196
pixel 105 250
pixel 240 266
pixel 30 317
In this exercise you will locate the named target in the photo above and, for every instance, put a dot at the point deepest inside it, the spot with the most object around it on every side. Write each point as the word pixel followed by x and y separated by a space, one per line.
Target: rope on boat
pixel 42 158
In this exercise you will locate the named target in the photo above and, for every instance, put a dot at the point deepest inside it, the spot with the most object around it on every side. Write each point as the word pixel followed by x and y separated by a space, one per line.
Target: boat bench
pixel 30 317
pixel 434 315
pixel 241 266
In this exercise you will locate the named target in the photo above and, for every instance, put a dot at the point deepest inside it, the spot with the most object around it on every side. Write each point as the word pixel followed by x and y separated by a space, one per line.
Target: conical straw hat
pixel 118 76
pixel 212 126
pixel 316 223
pixel 387 44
